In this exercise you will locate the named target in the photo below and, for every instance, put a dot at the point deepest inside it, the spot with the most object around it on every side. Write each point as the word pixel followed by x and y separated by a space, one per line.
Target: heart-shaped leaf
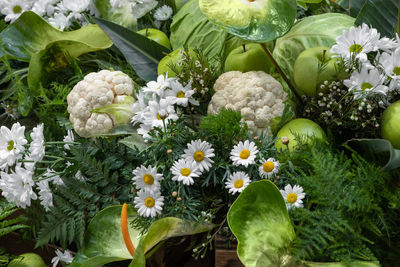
pixel 163 229
pixel 104 242
pixel 379 150
pixel 142 53
pixel 253 20
pixel 260 221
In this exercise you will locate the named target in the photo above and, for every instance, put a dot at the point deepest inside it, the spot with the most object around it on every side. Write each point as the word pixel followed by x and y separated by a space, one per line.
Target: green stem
pixel 281 72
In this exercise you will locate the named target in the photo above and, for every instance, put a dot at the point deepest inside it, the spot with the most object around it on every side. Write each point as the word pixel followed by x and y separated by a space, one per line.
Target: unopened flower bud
pixel 178 199
pixel 174 194
pixel 285 140
pixel 169 151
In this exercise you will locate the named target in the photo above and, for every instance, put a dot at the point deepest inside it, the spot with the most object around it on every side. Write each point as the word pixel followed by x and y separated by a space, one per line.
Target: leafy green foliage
pixel 224 129
pixel 104 180
pixel 347 209
pixel 8 225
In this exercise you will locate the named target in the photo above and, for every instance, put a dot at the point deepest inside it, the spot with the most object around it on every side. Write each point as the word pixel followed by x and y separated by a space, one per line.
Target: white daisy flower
pixel 139 107
pixel 147 178
pixel 163 13
pixel 17 186
pixel 11 144
pixel 53 177
pixel 140 8
pixel 45 195
pixel 184 171
pixel 180 94
pixel 293 196
pixel 158 113
pixel 37 148
pixel 387 44
pixel 366 81
pixel 269 167
pixel 144 130
pixel 64 257
pixel 73 6
pixel 59 21
pixel 13 9
pixel 244 153
pixel 201 153
pixel 356 43
pixel 237 182
pixel 149 203
pixel 391 63
pixel 158 87
pixel 69 138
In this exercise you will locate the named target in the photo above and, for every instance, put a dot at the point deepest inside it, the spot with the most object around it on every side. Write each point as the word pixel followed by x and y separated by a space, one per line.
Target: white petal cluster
pixel 36 147
pixel 97 89
pixel 149 203
pixel 65 257
pixel 157 101
pixel 163 13
pixel 244 153
pixel 12 142
pixel 45 195
pixel 237 182
pixel 293 196
pixel 376 77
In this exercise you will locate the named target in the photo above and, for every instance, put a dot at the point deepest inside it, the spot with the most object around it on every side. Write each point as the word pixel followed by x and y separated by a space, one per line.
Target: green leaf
pixel 161 230
pixel 263 22
pixel 123 129
pixel 319 30
pixel 380 14
pixel 32 39
pixel 103 240
pixel 353 5
pixel 311 1
pixel 260 221
pixel 135 141
pixel 141 53
pixel 380 150
pixel 343 264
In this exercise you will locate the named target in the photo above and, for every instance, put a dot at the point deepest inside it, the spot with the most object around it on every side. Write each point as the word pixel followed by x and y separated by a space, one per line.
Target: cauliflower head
pixel 255 94
pixel 97 90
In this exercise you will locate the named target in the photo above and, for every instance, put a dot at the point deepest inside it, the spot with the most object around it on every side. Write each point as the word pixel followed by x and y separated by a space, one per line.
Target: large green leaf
pixel 30 34
pixel 161 230
pixel 318 30
pixel 259 21
pixel 380 14
pixel 352 6
pixel 135 141
pixel 103 240
pixel 343 264
pixel 380 150
pixel 260 221
pixel 142 53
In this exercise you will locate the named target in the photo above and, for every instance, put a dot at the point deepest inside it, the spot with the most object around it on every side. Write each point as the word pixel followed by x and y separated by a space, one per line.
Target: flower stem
pixel 281 72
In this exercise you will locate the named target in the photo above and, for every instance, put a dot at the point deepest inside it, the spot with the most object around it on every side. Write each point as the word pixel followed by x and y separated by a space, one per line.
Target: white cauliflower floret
pixel 255 94
pixel 95 91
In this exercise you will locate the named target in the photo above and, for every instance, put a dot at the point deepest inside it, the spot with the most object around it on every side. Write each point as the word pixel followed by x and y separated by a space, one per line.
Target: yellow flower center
pixel 158 117
pixel 180 94
pixel 185 171
pixel 17 9
pixel 365 86
pixel 198 156
pixel 10 145
pixel 148 179
pixel 149 202
pixel 238 183
pixel 244 154
pixel 291 198
pixel 396 70
pixel 268 166
pixel 355 48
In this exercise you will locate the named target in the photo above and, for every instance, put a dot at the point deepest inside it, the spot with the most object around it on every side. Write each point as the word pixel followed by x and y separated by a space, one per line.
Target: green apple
pixel 27 260
pixel 390 129
pixel 312 67
pixel 172 59
pixel 157 36
pixel 248 57
pixel 301 127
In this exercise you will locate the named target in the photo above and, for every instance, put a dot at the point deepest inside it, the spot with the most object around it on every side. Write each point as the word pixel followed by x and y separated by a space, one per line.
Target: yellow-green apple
pixel 312 67
pixel 172 59
pixel 390 129
pixel 248 57
pixel 304 128
pixel 157 36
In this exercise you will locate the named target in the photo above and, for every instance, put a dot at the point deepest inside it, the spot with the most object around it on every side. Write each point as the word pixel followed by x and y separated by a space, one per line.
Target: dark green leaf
pixel 380 14
pixel 379 150
pixel 135 141
pixel 142 53
pixel 353 5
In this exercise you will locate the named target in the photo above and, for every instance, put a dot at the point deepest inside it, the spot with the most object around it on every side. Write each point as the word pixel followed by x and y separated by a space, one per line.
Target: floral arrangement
pixel 114 149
